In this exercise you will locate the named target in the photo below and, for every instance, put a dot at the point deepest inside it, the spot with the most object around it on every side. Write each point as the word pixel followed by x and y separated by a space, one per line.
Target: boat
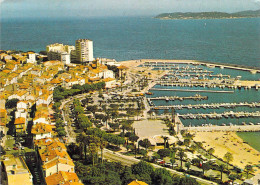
pixel 149 93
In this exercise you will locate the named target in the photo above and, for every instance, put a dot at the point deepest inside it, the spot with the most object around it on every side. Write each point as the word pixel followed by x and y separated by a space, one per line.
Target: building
pixel 15 171
pixel 63 178
pixel 65 58
pixel 42 130
pixel 54 51
pixel 136 182
pixel 84 50
pixel 53 156
pixel 31 58
pixel 20 125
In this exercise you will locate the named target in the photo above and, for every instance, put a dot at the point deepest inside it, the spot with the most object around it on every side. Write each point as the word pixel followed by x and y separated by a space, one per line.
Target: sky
pixel 99 8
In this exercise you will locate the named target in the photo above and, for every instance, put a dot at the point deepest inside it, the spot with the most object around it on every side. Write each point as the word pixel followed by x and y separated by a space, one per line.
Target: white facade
pixel 106 74
pixel 65 58
pixel 40 120
pixel 32 58
pixel 42 136
pixel 19 114
pixel 84 50
pixel 22 105
pixel 54 51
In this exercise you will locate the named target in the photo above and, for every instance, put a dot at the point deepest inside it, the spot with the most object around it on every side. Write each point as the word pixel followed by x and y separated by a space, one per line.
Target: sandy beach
pixel 224 142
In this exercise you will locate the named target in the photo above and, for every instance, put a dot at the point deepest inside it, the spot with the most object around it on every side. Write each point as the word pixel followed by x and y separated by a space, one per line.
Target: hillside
pixel 209 15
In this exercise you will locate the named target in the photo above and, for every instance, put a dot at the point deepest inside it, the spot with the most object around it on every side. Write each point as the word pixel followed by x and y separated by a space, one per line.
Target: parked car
pixel 160 161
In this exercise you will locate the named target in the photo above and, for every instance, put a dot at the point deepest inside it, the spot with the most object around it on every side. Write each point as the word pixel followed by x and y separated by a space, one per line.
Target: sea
pixel 235 41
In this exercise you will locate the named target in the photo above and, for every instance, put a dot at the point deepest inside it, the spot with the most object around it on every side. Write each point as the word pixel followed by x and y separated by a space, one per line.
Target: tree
pixel 211 151
pixel 187 165
pixel 103 145
pixel 142 168
pixel 165 138
pixel 205 167
pixel 145 143
pixel 164 153
pixel 221 169
pixel 228 157
pixel 186 142
pixel 93 150
pixel 181 155
pixel 232 177
pixel 11 103
pixel 162 176
pixel 188 180
pixel 248 169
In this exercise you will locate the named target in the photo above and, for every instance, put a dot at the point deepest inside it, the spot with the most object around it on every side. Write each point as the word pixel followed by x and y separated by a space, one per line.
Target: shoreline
pixel 225 141
pixel 203 18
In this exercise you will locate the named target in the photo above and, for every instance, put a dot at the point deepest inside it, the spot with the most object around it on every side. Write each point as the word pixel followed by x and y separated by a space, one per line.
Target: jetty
pixel 220 115
pixel 180 98
pixel 208 106
pixel 192 90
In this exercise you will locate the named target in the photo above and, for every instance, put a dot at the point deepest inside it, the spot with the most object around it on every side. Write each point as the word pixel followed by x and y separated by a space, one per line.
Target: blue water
pixel 221 40
pixel 238 95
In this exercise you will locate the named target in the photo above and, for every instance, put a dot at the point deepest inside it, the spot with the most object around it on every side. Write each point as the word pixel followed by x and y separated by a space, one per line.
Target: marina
pixel 230 95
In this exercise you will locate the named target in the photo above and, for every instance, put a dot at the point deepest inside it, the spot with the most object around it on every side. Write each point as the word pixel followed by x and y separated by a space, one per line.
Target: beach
pixel 224 142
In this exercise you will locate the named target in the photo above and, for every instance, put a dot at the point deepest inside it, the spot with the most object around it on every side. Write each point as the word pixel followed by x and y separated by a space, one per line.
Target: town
pixel 69 118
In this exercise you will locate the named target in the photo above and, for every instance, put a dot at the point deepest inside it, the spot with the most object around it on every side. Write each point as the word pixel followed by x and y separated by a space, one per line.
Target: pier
pixel 172 98
pixel 208 106
pixel 191 90
pixel 220 115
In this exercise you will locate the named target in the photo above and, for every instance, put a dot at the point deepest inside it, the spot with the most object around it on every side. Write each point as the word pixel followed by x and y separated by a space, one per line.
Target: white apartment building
pixel 32 58
pixel 54 51
pixel 84 50
pixel 65 58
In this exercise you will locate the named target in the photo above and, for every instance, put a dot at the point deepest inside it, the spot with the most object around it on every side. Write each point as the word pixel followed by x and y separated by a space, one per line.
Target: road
pixel 128 161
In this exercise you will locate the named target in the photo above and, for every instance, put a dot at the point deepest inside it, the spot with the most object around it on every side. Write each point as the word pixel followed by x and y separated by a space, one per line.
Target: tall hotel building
pixel 84 50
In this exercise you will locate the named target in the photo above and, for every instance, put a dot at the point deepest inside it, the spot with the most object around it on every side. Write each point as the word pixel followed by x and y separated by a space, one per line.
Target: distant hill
pixel 209 15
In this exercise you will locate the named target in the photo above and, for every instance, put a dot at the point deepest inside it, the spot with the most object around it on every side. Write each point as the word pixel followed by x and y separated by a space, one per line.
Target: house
pixel 62 177
pixel 136 182
pixel 3 115
pixel 20 124
pixel 110 82
pixel 15 171
pixel 45 98
pixel 42 130
pixel 53 157
pixel 21 113
pixel 22 105
pixel 20 95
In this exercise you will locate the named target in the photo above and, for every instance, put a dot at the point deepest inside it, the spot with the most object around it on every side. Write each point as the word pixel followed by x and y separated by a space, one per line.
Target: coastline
pixel 203 18
pixel 224 142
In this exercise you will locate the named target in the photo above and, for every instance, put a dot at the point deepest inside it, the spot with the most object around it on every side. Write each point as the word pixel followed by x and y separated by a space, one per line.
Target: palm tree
pixel 80 139
pixel 165 138
pixel 103 145
pixel 211 151
pixel 221 168
pixel 93 150
pixel 228 157
pixel 248 169
pixel 181 155
pixel 187 165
